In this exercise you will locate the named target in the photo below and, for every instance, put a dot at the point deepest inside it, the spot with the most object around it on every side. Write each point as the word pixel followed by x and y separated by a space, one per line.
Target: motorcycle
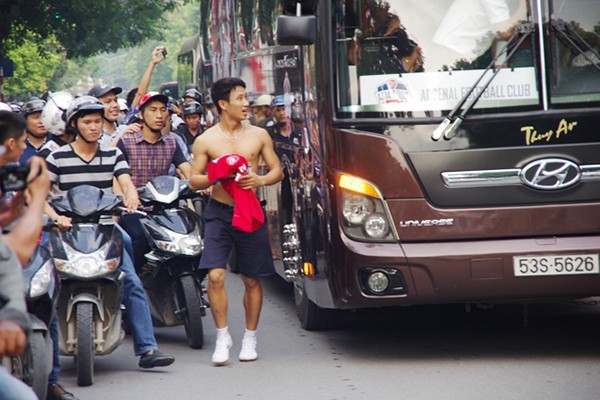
pixel 88 258
pixel 170 274
pixel 41 295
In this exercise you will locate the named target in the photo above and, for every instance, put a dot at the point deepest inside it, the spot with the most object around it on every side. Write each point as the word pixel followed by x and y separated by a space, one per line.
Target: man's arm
pixel 275 174
pixel 23 237
pixel 198 178
pixel 186 169
pixel 130 194
pixel 155 58
pixel 181 161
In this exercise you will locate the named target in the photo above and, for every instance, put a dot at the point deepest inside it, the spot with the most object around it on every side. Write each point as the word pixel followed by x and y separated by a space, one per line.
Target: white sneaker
pixel 248 352
pixel 221 354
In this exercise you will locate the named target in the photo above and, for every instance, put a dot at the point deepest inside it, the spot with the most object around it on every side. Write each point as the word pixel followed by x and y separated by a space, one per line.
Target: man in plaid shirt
pixel 149 154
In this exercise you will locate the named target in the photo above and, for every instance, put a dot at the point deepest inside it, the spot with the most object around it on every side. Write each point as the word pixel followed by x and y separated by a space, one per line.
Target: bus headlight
pixel 364 215
pixel 357 208
pixel 376 226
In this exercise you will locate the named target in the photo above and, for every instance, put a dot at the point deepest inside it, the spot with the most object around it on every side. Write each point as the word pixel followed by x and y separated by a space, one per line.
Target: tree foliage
pixel 32 72
pixel 43 64
pixel 86 27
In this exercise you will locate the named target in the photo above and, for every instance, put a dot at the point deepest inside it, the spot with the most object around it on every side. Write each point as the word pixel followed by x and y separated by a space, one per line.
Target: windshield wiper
pixel 448 127
pixel 578 43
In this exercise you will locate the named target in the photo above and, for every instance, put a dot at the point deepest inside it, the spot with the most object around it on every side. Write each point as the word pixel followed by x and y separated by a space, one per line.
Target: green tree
pixel 42 65
pixel 32 71
pixel 85 27
pixel 125 67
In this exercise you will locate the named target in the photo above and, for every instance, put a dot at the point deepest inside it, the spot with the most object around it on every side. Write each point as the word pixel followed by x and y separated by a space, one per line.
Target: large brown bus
pixel 437 151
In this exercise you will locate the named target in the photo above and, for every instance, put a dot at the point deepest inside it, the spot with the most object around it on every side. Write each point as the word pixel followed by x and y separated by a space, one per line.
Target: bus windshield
pixel 419 58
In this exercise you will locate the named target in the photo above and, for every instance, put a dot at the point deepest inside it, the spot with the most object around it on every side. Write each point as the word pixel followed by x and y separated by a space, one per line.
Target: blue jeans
pixel 13 389
pixel 132 225
pixel 55 372
pixel 135 302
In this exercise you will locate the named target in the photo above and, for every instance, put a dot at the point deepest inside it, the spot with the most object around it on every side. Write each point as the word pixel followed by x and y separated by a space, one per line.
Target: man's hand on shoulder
pixel 133 128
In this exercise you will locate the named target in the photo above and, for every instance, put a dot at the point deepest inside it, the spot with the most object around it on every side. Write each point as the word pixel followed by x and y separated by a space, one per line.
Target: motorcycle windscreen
pixel 178 220
pixel 86 200
pixel 165 184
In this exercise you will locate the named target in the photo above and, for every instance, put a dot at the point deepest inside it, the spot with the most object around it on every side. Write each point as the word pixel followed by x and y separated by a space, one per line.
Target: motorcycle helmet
pixel 5 107
pixel 32 106
pixel 122 105
pixel 193 108
pixel 16 107
pixel 152 96
pixel 54 114
pixel 81 105
pixel 193 94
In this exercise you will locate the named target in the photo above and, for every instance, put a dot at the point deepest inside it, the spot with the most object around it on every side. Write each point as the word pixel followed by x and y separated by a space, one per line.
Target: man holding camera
pixel 17 246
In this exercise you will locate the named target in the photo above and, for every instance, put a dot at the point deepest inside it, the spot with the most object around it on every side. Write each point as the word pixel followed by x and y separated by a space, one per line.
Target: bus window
pixel 418 59
pixel 575 49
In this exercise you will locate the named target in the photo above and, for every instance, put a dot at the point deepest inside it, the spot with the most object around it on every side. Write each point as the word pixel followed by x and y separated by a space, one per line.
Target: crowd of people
pixel 118 145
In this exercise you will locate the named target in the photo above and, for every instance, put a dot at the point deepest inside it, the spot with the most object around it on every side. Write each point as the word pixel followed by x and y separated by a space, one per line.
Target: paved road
pixel 410 353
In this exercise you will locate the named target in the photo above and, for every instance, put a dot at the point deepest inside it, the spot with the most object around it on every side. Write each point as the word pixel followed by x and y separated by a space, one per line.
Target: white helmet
pixel 122 104
pixel 4 107
pixel 55 111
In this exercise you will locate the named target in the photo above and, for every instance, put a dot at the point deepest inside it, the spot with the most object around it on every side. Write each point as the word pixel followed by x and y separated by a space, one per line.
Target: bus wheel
pixel 311 316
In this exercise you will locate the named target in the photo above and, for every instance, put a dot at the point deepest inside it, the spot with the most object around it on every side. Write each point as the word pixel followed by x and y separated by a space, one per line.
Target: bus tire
pixel 311 316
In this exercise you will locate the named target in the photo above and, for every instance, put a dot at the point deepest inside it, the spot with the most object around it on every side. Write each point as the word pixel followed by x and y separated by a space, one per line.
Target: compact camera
pixel 13 177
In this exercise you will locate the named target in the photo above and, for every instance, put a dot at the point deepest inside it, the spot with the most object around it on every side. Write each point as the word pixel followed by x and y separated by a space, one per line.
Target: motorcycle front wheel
pixel 41 359
pixel 192 297
pixel 85 344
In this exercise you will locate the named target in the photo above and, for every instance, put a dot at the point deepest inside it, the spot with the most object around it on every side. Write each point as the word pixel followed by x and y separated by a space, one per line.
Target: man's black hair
pixel 12 125
pixel 222 88
pixel 130 96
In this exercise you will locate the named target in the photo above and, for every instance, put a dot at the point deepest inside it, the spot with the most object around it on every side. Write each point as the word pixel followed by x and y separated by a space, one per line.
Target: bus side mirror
pixel 292 30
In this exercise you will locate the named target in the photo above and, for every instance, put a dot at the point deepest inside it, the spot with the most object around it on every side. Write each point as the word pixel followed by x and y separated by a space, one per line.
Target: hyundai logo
pixel 550 174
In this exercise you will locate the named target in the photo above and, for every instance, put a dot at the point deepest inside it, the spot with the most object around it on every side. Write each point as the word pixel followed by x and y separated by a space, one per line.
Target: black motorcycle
pixel 170 273
pixel 41 285
pixel 41 295
pixel 88 258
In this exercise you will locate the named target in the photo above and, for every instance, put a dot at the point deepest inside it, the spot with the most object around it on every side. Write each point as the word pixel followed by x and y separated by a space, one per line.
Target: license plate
pixel 566 264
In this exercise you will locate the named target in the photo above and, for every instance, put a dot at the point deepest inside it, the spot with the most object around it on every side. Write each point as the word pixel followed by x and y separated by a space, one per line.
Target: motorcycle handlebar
pixel 127 210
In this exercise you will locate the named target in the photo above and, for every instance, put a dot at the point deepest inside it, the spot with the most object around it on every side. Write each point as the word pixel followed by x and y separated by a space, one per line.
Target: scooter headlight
pixel 190 244
pixel 41 280
pixel 87 265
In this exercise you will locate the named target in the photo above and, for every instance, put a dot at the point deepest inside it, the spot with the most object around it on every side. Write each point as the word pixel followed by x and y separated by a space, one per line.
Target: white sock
pixel 249 334
pixel 222 331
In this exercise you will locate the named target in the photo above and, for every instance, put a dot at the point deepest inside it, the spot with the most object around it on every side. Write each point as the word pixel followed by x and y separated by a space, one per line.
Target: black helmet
pixel 87 104
pixel 34 105
pixel 193 108
pixel 193 94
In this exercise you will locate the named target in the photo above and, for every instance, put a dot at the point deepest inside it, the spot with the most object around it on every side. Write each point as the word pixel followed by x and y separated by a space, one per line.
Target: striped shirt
pixel 67 170
pixel 149 160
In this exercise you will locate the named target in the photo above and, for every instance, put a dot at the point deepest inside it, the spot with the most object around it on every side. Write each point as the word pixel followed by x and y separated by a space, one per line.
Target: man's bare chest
pixel 249 148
